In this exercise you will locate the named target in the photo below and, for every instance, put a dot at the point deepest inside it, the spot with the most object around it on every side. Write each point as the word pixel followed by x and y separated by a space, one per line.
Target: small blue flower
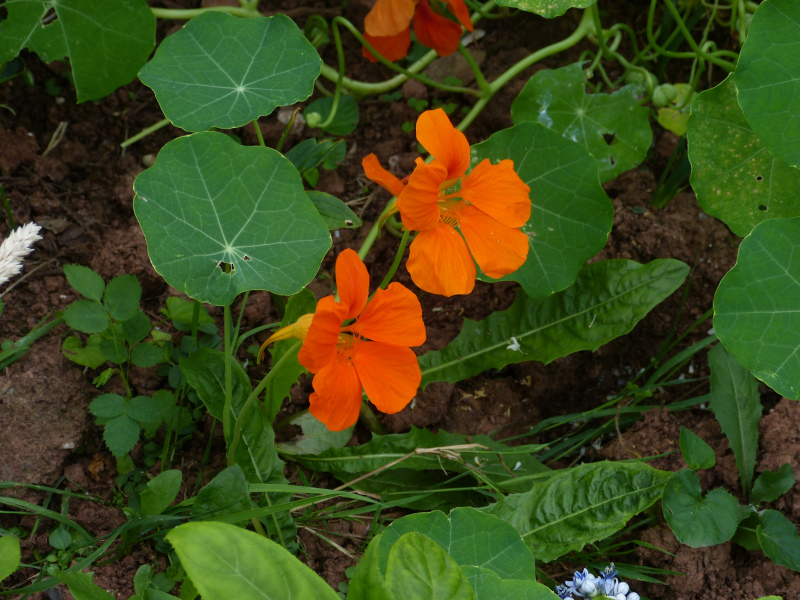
pixel 585 585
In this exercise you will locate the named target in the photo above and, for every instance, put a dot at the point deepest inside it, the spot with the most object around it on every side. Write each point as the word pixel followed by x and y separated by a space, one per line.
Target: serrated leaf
pixel 344 121
pixel 735 177
pixel 606 301
pixel 121 434
pixel 85 281
pixel 146 355
pixel 160 492
pixel 696 453
pixel 108 406
pixel 145 409
pixel 223 71
pixel 614 128
pixel 779 539
pixel 756 316
pixel 768 78
pixel 106 42
pixel 208 201
pixel 469 537
pixel 418 569
pixel 695 520
pixel 122 297
pixel 82 586
pixel 225 561
pixel 136 328
pixel 546 8
pixel 88 355
pixel 114 349
pixel 86 316
pixel 571 215
pixel 227 493
pixel 315 436
pixel 736 405
pixel 770 486
pixel 10 555
pixel 335 213
pixel 581 505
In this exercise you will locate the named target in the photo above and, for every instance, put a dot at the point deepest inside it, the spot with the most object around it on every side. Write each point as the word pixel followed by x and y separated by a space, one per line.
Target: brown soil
pixel 81 193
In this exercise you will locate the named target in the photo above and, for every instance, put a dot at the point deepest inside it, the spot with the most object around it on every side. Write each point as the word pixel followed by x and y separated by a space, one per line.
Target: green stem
pixel 145 132
pixel 226 411
pixel 258 134
pixel 184 14
pixel 337 93
pixel 479 78
pixel 397 258
pixel 237 430
pixel 368 418
pixel 12 224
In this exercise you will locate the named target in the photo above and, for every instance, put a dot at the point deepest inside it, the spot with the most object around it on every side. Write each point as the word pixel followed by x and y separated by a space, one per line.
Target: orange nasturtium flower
pixel 370 354
pixel 459 216
pixel 388 26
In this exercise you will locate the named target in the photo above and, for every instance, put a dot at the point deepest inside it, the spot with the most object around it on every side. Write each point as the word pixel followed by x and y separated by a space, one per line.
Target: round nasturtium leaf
pixel 768 78
pixel 546 8
pixel 224 71
pixel 209 205
pixel 735 177
pixel 571 215
pixel 614 128
pixel 757 305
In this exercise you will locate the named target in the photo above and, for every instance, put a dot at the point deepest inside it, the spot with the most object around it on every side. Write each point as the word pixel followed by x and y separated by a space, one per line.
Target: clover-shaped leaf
pixel 221 219
pixel 223 71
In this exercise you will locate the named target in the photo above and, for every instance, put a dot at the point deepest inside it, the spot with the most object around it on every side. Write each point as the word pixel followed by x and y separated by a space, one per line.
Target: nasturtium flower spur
pixel 371 353
pixel 387 27
pixel 461 216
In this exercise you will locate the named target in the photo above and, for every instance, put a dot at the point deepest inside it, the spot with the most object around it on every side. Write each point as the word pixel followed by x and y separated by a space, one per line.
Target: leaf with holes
pixel 209 203
pixel 223 71
pixel 571 215
pixel 614 128
pixel 546 8
pixel 106 42
pixel 756 315
pixel 768 78
pixel 735 177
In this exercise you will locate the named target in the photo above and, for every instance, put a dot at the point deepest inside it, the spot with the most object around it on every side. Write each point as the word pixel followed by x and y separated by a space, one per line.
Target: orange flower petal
pixel 497 248
pixel 461 12
pixel 352 282
pixel 394 316
pixel 439 262
pixel 391 47
pixel 435 31
pixel 375 172
pixel 446 143
pixel 418 204
pixel 336 400
pixel 319 347
pixel 498 191
pixel 389 17
pixel 390 374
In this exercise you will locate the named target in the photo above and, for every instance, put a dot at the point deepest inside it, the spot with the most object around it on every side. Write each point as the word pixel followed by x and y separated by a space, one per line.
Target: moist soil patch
pixel 79 189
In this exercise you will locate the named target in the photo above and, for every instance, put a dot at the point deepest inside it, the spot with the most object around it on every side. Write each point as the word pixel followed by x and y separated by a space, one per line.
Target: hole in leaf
pixel 226 267
pixel 762 207
pixel 612 161
pixel 348 222
pixel 759 178
pixel 246 257
pixel 610 138
pixel 49 16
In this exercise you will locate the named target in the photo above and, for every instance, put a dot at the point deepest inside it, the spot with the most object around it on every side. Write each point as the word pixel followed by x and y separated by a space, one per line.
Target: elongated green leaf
pixel 696 453
pixel 160 492
pixel 580 506
pixel 607 300
pixel 614 128
pixel 546 8
pixel 736 404
pixel 106 42
pixel 225 561
pixel 335 213
pixel 735 177
pixel 82 587
pixel 469 537
pixel 571 215
pixel 223 71
pixel 419 569
pixel 779 539
pixel 9 555
pixel 227 493
pixel 488 586
pixel 768 78
pixel 699 521
pixel 770 486
pixel 209 202
pixel 756 315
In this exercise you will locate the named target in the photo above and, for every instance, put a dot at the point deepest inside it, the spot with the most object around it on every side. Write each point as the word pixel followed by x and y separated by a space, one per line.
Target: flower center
pixel 450 202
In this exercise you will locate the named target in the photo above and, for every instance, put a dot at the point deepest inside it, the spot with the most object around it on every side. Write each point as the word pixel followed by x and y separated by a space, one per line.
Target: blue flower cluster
pixel 586 585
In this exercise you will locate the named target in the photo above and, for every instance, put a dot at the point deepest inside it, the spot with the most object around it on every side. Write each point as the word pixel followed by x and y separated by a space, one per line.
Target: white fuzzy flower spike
pixel 15 248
